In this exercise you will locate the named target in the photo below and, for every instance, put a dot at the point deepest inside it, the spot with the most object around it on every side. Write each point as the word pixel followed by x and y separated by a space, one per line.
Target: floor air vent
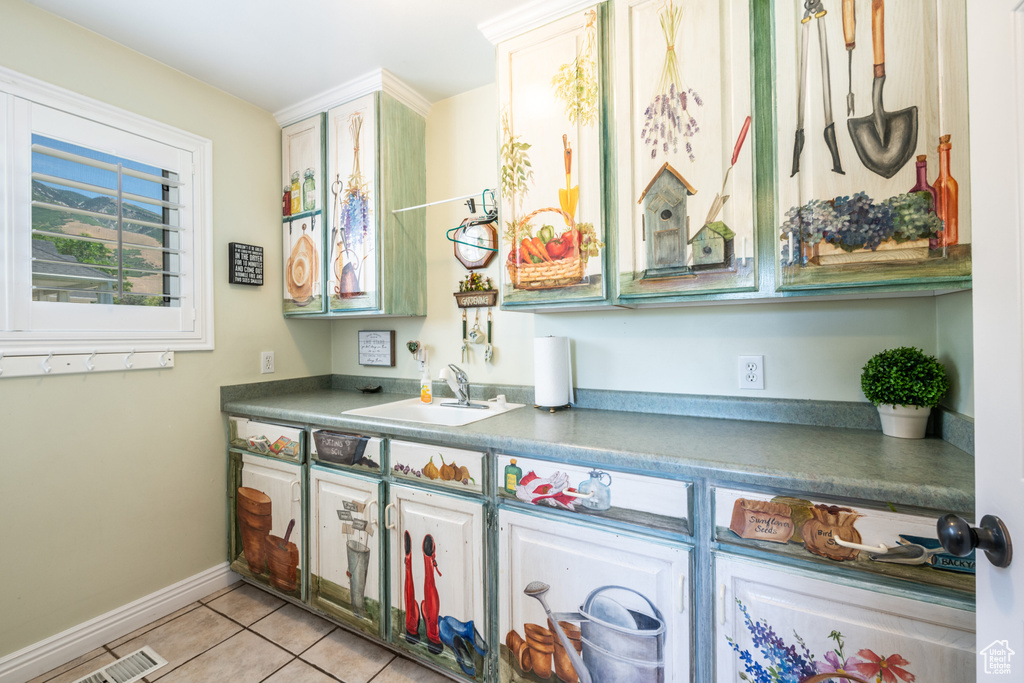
pixel 127 669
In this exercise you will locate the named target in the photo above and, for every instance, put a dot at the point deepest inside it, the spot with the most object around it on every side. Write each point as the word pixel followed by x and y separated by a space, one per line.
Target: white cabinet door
pixel 811 626
pixel 437 577
pixel 344 557
pixel 622 602
pixel 302 228
pixel 281 481
pixel 267 499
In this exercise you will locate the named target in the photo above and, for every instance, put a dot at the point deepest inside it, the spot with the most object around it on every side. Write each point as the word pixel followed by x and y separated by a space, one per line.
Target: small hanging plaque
pixel 245 264
pixel 377 347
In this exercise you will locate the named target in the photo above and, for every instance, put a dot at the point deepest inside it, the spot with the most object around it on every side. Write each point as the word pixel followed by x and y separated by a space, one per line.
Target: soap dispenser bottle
pixel 426 395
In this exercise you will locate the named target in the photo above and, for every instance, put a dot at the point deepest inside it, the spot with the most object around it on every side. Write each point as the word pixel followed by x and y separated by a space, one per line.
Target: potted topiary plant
pixel 905 384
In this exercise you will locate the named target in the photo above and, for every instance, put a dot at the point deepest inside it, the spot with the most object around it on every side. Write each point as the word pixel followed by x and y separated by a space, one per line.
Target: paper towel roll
pixel 552 372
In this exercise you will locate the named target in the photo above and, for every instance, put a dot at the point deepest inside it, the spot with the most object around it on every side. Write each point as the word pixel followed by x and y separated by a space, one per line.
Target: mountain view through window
pixel 104 228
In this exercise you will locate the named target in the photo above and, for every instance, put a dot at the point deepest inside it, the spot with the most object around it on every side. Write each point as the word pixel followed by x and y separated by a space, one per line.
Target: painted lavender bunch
pixel 668 119
pixel 355 210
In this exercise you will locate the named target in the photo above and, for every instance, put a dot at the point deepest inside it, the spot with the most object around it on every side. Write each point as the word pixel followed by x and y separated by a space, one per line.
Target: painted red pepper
pixel 431 603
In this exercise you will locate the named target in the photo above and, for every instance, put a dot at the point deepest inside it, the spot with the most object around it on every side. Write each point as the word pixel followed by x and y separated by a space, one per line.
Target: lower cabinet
pixel 267 531
pixel 801 626
pixel 404 545
pixel 344 548
pixel 586 604
pixel 438 599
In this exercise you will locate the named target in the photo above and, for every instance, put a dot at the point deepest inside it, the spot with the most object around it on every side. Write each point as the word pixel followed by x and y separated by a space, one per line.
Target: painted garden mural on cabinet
pixel 874 185
pixel 654 150
pixel 551 94
pixel 684 174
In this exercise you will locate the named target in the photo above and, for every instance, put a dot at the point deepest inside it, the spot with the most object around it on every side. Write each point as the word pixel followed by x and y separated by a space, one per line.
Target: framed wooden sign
pixel 377 347
pixel 245 264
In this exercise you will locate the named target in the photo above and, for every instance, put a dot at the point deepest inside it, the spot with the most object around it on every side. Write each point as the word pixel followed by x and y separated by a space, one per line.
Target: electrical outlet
pixel 751 372
pixel 267 362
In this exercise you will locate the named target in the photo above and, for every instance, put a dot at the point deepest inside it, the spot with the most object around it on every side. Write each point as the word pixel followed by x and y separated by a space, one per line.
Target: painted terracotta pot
pixel 541 643
pixel 283 562
pixel 254 521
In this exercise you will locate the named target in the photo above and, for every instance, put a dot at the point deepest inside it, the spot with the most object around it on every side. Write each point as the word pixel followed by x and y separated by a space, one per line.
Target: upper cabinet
pixel 872 144
pixel 362 160
pixel 302 153
pixel 551 85
pixel 656 151
pixel 685 186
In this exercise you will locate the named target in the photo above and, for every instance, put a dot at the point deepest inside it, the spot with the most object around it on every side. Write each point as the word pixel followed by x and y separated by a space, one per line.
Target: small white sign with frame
pixel 377 347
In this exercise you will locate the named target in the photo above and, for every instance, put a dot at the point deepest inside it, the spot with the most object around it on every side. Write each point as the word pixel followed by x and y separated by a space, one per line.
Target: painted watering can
pixel 622 635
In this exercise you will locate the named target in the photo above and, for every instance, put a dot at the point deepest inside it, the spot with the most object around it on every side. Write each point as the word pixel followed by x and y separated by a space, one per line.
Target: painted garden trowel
pixel 884 141
pixel 568 197
pixel 721 198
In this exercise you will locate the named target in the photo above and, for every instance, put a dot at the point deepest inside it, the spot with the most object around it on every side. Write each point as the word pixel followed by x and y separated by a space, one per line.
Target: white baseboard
pixel 36 659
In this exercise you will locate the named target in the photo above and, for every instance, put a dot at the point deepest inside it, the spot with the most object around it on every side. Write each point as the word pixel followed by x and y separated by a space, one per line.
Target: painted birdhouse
pixel 712 246
pixel 666 227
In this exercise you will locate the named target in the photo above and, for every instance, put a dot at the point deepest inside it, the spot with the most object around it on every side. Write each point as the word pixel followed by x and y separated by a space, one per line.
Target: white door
pixel 638 588
pixel 995 39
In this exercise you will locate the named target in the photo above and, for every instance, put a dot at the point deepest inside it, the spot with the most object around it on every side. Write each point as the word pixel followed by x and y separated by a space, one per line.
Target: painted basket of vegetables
pixel 535 264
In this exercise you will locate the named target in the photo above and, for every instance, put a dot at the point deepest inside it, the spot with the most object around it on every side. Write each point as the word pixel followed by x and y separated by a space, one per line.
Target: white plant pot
pixel 905 422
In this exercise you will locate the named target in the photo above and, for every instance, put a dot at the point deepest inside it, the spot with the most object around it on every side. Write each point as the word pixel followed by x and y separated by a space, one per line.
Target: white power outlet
pixel 751 372
pixel 267 362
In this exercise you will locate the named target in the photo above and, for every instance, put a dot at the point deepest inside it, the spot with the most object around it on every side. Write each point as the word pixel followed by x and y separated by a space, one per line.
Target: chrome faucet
pixel 460 386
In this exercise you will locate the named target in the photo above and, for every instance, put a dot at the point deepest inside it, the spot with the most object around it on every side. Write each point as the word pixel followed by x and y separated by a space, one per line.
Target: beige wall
pixel 461 160
pixel 112 486
pixel 813 349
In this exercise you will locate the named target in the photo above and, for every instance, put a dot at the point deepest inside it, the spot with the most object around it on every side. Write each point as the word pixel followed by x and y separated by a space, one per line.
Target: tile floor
pixel 242 634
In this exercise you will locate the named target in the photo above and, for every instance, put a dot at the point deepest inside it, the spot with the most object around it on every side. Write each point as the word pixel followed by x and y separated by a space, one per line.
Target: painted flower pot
pixel 283 562
pixel 253 508
pixel 904 422
pixel 541 643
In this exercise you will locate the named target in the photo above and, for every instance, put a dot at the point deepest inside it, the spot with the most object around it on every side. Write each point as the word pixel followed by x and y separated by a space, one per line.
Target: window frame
pixel 194 328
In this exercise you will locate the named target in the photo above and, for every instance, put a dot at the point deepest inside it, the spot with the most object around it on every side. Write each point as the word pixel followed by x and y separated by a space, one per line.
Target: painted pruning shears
pixel 813 9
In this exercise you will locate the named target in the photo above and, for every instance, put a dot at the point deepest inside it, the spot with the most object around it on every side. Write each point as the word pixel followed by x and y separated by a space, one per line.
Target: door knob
pixel 959 538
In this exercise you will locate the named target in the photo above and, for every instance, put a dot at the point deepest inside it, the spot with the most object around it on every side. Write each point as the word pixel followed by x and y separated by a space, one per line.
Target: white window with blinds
pixel 104 227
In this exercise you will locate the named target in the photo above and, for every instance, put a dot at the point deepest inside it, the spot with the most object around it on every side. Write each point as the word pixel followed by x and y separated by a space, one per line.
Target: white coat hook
pixel 89 365
pixel 165 358
pixel 128 359
pixel 46 363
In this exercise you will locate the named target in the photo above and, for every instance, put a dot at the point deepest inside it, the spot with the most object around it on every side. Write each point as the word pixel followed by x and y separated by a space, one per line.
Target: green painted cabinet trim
pixel 402 182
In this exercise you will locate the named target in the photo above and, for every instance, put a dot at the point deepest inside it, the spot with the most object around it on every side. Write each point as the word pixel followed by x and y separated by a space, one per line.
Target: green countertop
pixel 843 463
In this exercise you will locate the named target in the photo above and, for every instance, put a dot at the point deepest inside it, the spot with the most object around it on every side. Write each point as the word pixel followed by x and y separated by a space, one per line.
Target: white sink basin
pixel 412 410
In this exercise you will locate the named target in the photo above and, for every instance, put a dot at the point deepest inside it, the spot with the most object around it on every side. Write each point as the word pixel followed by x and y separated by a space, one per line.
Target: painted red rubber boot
pixel 412 611
pixel 431 603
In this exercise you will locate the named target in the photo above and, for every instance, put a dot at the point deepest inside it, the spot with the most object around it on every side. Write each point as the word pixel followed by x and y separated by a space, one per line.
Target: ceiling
pixel 277 53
